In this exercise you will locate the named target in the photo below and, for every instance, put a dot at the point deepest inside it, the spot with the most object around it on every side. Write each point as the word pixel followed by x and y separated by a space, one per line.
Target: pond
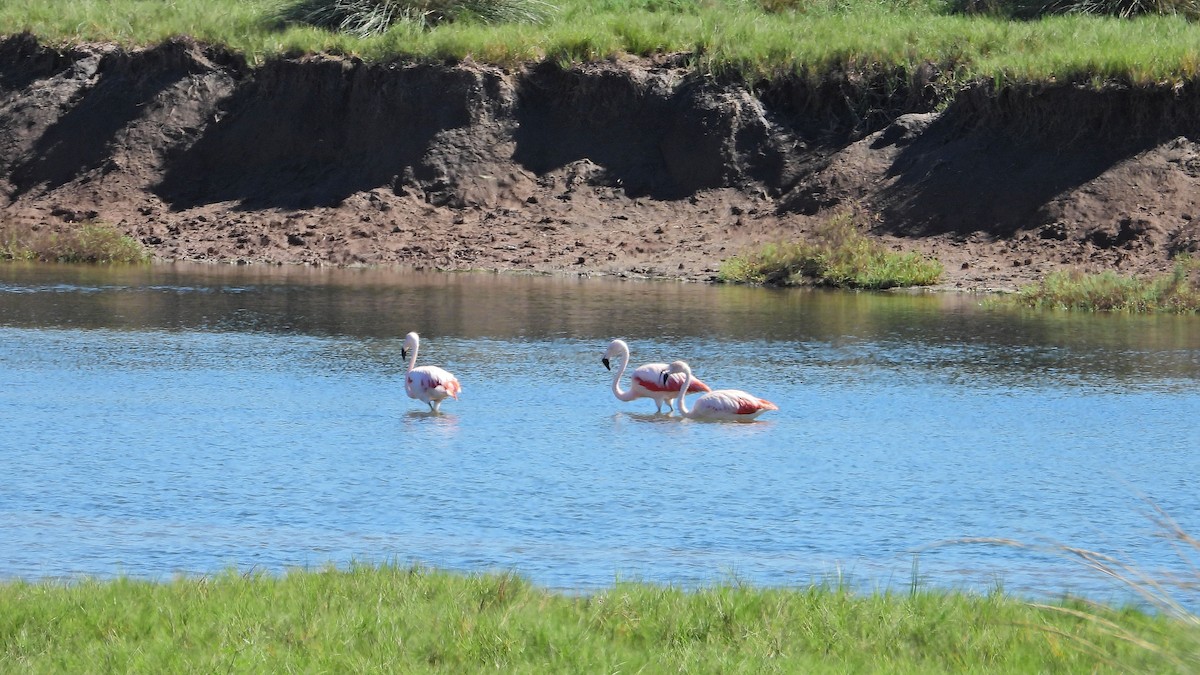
pixel 189 419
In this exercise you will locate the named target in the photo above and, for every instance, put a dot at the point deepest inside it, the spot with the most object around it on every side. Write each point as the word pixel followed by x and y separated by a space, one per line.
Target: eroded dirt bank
pixel 635 167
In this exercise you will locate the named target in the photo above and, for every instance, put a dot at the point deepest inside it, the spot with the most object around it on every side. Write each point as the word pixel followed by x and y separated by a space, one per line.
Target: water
pixel 186 420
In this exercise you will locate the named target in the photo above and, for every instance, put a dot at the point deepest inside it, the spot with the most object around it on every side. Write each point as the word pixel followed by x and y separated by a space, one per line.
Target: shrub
pixel 89 242
pixel 840 255
pixel 364 18
pixel 1177 292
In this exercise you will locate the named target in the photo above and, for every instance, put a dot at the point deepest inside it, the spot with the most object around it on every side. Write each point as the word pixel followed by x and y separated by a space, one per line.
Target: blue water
pixel 186 420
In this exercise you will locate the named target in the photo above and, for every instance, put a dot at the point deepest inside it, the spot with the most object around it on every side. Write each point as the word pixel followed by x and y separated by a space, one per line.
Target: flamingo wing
pixel 732 403
pixel 650 378
pixel 431 381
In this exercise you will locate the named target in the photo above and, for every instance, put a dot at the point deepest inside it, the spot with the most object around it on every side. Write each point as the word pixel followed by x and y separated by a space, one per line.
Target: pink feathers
pixel 427 383
pixel 647 380
pixel 722 404
pixel 656 381
pixel 649 377
pixel 662 383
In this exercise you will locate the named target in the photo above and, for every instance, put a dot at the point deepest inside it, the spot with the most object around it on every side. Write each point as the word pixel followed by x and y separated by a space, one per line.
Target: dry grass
pixel 1177 292
pixel 88 242
pixel 366 18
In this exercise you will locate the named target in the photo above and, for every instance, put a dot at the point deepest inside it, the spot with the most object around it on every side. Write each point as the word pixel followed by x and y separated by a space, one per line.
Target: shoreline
pixel 636 168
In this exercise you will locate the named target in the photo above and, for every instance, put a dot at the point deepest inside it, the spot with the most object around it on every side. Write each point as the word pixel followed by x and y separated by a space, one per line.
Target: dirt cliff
pixel 633 167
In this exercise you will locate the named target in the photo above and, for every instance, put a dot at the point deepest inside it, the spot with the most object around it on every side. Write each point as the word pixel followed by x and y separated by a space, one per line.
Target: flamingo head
pixel 410 344
pixel 675 367
pixel 616 349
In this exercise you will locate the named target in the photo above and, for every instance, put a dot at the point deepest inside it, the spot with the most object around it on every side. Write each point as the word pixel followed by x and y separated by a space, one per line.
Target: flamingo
pixel 648 380
pixel 722 404
pixel 427 383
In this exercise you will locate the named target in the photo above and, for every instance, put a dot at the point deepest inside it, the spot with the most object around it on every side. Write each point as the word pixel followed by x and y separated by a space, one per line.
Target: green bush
pixel 87 243
pixel 840 255
pixel 1177 292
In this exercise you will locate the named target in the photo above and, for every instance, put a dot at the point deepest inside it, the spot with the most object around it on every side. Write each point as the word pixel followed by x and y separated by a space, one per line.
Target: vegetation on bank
pixel 89 242
pixel 398 619
pixel 967 40
pixel 839 255
pixel 1107 291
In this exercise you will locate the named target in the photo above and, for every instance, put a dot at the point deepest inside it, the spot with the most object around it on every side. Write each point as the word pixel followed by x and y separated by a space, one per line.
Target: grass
pixel 408 619
pixel 366 18
pixel 839 255
pixel 1177 292
pixel 1029 9
pixel 1173 596
pixel 813 39
pixel 88 242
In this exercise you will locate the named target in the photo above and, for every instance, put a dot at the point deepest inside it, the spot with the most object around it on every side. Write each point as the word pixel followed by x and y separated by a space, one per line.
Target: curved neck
pixel 412 360
pixel 616 383
pixel 681 402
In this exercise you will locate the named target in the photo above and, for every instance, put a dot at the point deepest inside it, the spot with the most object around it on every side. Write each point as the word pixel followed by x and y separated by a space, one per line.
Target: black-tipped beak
pixel 403 354
pixel 605 362
pixel 666 375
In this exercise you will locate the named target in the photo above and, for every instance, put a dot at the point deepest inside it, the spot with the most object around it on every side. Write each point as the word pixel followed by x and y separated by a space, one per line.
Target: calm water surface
pixel 192 419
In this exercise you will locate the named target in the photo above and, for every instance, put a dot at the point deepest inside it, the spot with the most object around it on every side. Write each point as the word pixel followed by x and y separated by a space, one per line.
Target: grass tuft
pixel 839 255
pixel 1177 292
pixel 88 242
pixel 1173 641
pixel 1033 9
pixel 367 18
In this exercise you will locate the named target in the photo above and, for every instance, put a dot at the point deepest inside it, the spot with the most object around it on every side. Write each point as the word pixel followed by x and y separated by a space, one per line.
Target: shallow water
pixel 189 419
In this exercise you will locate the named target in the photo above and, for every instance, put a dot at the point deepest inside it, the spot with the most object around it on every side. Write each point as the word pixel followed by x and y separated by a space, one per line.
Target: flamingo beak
pixel 666 376
pixel 403 354
pixel 605 362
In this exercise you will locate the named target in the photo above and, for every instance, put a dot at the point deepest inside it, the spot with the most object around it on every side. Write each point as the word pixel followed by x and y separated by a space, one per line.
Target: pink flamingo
pixel 649 380
pixel 722 404
pixel 427 383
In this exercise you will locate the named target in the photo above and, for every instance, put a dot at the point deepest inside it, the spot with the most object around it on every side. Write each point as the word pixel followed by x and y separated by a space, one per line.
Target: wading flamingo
pixel 722 404
pixel 647 380
pixel 427 383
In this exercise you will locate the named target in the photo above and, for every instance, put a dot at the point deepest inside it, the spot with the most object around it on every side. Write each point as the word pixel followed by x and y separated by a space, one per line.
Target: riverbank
pixel 632 167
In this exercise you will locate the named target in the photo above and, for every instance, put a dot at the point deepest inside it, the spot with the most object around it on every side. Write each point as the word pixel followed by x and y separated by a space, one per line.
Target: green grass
pixel 366 18
pixel 745 37
pixel 88 242
pixel 1177 292
pixel 839 255
pixel 397 619
pixel 1173 595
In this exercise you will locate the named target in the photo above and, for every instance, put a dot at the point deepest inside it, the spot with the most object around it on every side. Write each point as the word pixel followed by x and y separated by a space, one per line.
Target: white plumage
pixel 647 380
pixel 722 404
pixel 427 383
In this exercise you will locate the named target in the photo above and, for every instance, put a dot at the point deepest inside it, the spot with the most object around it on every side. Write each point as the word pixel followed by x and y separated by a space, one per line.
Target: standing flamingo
pixel 648 380
pixel 722 404
pixel 427 383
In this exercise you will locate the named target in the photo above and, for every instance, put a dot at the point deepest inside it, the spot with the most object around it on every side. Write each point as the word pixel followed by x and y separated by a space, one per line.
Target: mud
pixel 636 168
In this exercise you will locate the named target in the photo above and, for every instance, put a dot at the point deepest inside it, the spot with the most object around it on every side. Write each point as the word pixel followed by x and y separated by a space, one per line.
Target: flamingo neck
pixel 681 402
pixel 412 360
pixel 616 383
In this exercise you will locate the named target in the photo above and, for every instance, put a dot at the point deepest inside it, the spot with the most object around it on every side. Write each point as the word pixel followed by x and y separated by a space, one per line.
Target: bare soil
pixel 636 168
